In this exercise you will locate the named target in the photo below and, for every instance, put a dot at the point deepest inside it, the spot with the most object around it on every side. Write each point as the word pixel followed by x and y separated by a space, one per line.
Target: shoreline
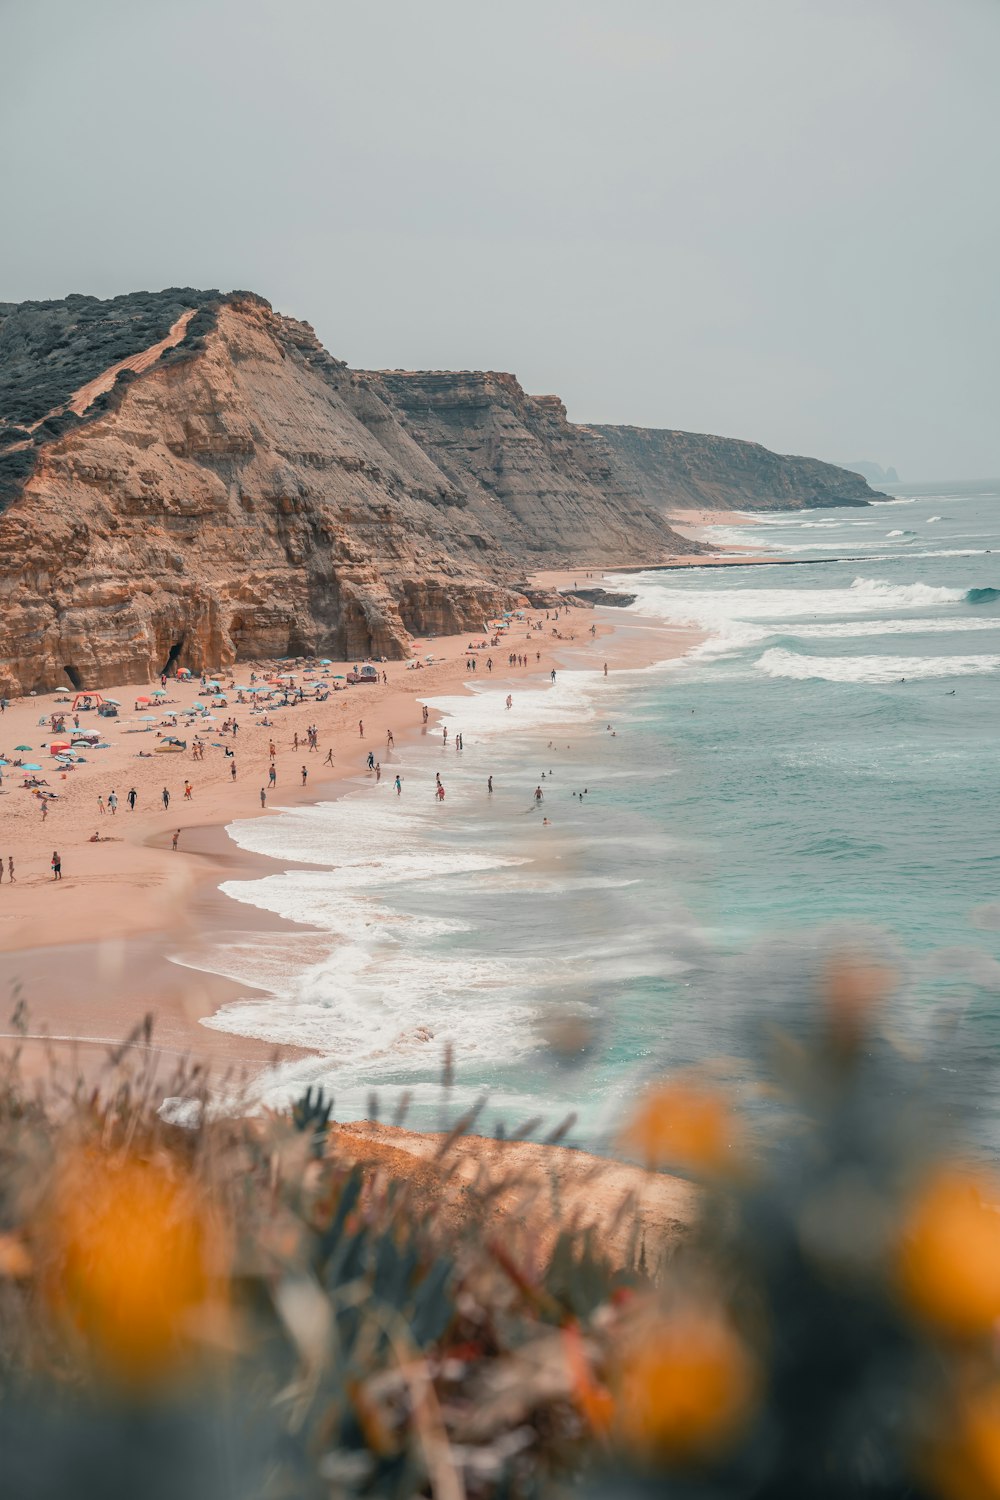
pixel 86 993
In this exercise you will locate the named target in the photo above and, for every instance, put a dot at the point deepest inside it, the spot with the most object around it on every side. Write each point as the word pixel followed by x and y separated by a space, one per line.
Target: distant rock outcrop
pixel 873 472
pixel 189 477
pixel 715 473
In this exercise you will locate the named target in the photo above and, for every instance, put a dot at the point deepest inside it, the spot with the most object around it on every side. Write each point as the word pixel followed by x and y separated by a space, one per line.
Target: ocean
pixel 823 764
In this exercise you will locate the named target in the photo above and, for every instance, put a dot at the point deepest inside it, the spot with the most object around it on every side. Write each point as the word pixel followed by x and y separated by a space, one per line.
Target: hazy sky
pixel 772 219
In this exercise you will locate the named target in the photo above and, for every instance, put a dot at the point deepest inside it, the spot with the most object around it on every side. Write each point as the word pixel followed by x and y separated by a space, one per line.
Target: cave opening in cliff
pixel 171 660
pixel 76 680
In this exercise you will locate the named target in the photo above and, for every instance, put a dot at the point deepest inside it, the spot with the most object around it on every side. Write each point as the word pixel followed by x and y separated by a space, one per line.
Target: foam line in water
pixel 872 669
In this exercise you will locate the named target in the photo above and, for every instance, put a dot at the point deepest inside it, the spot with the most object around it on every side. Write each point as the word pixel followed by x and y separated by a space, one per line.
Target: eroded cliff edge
pixel 191 477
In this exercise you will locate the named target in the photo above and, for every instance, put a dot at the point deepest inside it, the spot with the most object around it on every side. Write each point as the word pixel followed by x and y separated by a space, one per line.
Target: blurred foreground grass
pixel 243 1306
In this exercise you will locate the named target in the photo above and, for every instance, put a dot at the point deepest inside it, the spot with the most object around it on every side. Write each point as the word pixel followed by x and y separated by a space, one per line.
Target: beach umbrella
pixel 147 718
pixel 325 661
pixel 160 693
pixel 23 747
pixel 29 767
pixel 339 677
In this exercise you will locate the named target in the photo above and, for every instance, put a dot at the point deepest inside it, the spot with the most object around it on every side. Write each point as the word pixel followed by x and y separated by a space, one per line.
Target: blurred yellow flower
pixel 135 1258
pixel 856 987
pixel 949 1267
pixel 966 1464
pixel 685 1386
pixel 684 1123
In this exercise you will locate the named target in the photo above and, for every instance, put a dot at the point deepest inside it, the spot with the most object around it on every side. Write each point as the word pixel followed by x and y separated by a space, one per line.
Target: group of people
pixel 111 806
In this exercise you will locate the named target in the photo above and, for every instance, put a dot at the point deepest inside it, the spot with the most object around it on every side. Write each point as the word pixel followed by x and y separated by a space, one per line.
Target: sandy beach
pixel 89 954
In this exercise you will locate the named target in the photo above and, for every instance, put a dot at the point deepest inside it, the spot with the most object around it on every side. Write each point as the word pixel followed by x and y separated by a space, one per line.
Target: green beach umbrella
pixel 23 747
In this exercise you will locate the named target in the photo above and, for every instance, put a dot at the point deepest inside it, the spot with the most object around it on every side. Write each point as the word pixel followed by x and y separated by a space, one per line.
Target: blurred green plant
pixel 267 1306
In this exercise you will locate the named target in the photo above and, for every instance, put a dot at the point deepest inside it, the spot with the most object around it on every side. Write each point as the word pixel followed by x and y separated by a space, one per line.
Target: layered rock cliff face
pixel 540 485
pixel 695 469
pixel 231 504
pixel 187 477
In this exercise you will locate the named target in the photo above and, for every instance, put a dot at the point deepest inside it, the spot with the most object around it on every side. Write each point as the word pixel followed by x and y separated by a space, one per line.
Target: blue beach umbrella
pixel 30 767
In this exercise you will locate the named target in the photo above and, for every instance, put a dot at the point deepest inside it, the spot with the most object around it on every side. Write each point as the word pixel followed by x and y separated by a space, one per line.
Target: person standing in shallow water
pixel 489 785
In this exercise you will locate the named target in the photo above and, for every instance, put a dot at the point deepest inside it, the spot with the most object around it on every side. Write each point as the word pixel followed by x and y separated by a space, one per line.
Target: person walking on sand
pixel 166 799
pixel 272 776
pixel 305 774
pixel 45 809
pixel 389 741
pixel 426 712
pixel 100 806
pixel 131 799
pixel 272 752
pixel 232 770
pixel 10 869
pixel 329 757
pixel 263 797
pixel 1 869
pixel 398 784
pixel 173 841
pixel 112 802
pixel 361 729
pixel 56 865
pixel 187 791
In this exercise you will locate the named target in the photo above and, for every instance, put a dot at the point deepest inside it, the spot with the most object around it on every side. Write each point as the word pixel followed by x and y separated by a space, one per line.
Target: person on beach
pixel 446 734
pixel 263 797
pixel 272 776
pixel 552 675
pixel 112 803
pixel 232 769
pixel 173 841
pixel 305 774
pixel 440 792
pixel 538 795
pixel 378 770
pixel 398 784
pixel 295 741
pixel 187 791
pixel 329 757
pixel 605 669
pixel 425 711
pixel 371 760
pixel 56 865
pixel 361 729
pixel 166 799
pixel 45 809
pixel 510 701
pixel 489 664
pixel 131 799
pixel 389 741
pixel 10 869
pixel 100 806
pixel 272 752
pixel 489 785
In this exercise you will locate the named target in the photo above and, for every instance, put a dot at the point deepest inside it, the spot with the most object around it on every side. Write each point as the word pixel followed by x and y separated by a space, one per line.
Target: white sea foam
pixel 847 629
pixel 737 618
pixel 871 669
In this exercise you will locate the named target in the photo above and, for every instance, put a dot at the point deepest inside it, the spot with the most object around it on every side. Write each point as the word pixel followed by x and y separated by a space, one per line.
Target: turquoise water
pixel 828 756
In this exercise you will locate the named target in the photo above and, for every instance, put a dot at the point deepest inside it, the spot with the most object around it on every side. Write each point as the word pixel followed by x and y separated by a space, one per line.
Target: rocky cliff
pixel 695 469
pixel 190 477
